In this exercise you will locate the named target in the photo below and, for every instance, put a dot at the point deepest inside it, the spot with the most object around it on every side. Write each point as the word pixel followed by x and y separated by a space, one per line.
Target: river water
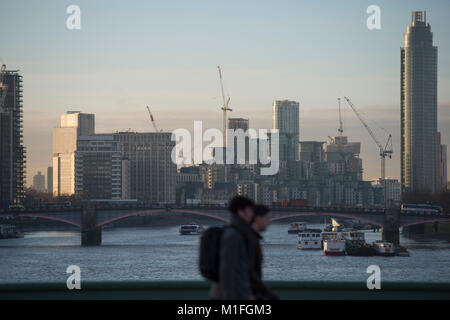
pixel 162 254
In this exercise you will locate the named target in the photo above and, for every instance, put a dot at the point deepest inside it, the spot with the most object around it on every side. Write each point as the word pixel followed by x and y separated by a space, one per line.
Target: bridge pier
pixel 390 231
pixel 91 235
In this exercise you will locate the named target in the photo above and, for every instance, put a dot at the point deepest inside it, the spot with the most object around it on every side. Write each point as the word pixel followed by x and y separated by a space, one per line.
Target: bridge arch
pixel 331 214
pixel 201 213
pixel 150 211
pixel 43 216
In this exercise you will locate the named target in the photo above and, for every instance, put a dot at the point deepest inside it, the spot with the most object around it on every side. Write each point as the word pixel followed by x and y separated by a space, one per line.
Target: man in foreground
pixel 240 257
pixel 234 276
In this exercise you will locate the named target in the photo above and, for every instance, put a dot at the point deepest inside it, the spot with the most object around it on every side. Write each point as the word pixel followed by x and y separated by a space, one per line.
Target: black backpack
pixel 209 257
pixel 210 252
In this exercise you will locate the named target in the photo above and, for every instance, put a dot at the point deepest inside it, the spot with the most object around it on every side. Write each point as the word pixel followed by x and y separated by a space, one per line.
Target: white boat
pixel 334 247
pixel 384 248
pixel 296 227
pixel 333 243
pixel 310 239
pixel 354 238
pixel 327 235
pixel 191 228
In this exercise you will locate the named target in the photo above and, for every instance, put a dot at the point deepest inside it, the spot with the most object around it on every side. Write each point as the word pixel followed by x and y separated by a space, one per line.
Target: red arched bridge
pixel 109 214
pixel 91 218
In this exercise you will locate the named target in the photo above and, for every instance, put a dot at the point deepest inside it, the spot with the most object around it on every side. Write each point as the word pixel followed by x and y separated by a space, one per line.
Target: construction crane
pixel 341 133
pixel 341 126
pixel 386 150
pixel 153 120
pixel 225 108
pixel 3 87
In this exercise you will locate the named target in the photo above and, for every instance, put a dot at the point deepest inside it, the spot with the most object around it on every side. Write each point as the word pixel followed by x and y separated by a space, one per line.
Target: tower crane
pixel 386 150
pixel 224 107
pixel 340 140
pixel 153 120
pixel 341 127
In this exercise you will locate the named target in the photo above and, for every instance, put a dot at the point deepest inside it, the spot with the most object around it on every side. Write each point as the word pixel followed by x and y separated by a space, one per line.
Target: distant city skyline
pixel 164 56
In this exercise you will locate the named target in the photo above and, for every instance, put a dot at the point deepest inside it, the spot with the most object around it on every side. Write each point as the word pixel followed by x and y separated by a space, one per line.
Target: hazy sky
pixel 164 53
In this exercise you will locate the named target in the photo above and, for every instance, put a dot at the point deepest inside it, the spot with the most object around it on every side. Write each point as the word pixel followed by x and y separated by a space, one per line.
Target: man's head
pixel 261 219
pixel 242 207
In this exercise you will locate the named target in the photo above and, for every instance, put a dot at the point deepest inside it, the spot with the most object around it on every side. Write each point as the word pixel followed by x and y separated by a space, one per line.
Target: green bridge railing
pixel 198 290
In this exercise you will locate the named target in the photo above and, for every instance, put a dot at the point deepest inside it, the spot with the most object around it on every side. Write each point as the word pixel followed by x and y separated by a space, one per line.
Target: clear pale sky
pixel 164 53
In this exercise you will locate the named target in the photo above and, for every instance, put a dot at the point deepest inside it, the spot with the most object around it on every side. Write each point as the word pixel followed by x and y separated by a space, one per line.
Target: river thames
pixel 160 253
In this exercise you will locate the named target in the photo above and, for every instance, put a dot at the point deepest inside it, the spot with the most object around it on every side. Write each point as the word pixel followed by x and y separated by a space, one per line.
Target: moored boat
pixel 366 250
pixel 296 227
pixel 354 237
pixel 384 248
pixel 334 247
pixel 310 239
pixel 355 244
pixel 326 235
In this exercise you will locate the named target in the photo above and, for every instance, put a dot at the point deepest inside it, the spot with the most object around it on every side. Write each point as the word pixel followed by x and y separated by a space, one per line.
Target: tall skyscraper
pixel 98 167
pixel 286 120
pixel 418 97
pixel 65 137
pixel 12 151
pixel 39 182
pixel 286 116
pixel 50 179
pixel 151 172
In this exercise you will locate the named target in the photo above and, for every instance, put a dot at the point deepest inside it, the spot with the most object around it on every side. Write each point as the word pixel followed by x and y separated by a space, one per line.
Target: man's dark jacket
pixel 240 264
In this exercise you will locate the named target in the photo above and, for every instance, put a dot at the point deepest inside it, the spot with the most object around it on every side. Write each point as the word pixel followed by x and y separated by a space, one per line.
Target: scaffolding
pixel 12 151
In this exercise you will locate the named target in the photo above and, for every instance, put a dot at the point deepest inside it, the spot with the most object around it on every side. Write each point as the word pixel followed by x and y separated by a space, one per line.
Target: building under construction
pixel 345 155
pixel 12 151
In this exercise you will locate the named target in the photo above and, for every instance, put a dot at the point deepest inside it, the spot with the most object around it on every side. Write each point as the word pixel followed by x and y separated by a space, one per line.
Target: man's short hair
pixel 260 210
pixel 239 203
